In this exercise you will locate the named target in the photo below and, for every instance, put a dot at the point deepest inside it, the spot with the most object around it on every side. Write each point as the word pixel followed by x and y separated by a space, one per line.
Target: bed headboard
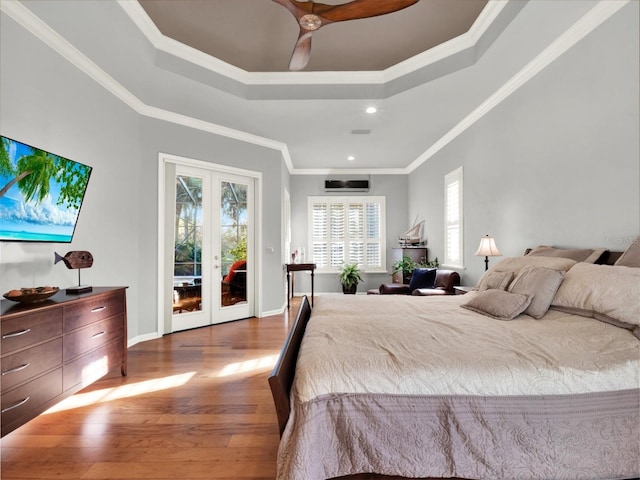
pixel 607 258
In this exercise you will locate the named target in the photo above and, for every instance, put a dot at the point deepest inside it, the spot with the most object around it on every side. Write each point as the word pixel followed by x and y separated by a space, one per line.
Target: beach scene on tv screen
pixel 40 193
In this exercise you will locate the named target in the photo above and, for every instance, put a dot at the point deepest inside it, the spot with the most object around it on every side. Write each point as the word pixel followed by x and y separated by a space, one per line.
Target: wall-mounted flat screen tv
pixel 40 194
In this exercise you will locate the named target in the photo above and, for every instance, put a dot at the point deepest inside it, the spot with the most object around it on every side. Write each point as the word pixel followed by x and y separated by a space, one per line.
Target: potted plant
pixel 432 264
pixel 406 266
pixel 350 277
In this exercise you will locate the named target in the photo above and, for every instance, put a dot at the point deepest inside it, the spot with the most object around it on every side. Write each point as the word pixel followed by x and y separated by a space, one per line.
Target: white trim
pixel 194 162
pixel 172 47
pixel 454 176
pixel 602 11
pixel 142 338
pixel 592 19
pixel 163 159
pixel 41 30
pixel 345 200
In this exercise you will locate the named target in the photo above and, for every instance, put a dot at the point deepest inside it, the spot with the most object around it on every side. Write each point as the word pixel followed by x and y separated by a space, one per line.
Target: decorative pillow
pixel 631 256
pixel 541 284
pixel 494 280
pixel 515 264
pixel 498 304
pixel 605 292
pixel 587 255
pixel 423 278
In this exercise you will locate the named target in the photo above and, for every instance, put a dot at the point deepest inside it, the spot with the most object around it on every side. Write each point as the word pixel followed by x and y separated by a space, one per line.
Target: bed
pixel 537 377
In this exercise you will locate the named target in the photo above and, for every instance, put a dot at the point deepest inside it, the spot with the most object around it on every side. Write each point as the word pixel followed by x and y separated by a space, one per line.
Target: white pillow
pixel 604 292
pixel 515 264
pixel 498 304
pixel 541 284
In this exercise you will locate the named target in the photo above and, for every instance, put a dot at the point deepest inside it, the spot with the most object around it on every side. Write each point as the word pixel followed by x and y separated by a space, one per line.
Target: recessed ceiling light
pixel 371 110
pixel 351 157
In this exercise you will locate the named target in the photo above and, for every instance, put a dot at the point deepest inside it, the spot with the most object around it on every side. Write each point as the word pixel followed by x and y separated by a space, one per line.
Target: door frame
pixel 166 178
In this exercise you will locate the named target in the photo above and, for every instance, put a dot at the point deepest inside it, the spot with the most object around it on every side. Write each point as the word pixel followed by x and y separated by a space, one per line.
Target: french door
pixel 209 270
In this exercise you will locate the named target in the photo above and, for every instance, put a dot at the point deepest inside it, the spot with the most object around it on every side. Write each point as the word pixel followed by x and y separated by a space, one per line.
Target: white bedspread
pixel 420 387
pixel 431 346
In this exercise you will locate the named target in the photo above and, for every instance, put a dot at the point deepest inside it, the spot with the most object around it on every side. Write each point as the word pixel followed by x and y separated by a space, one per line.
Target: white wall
pixel 556 163
pixel 48 103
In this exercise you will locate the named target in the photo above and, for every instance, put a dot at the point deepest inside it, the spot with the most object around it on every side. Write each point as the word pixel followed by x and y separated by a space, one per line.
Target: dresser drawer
pixel 94 365
pixel 93 309
pixel 93 336
pixel 30 328
pixel 23 365
pixel 24 402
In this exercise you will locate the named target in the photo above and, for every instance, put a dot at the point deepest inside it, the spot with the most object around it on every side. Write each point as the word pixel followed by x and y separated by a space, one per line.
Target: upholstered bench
pixel 445 281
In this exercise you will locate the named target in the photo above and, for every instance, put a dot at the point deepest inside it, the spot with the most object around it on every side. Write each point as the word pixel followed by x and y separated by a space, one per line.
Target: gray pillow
pixel 631 256
pixel 541 284
pixel 494 280
pixel 498 304
pixel 587 255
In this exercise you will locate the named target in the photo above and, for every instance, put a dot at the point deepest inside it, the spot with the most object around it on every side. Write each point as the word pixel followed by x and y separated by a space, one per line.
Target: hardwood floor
pixel 194 405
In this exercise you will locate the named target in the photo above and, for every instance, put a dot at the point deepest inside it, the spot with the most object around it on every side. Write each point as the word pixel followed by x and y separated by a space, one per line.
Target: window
pixel 347 230
pixel 453 218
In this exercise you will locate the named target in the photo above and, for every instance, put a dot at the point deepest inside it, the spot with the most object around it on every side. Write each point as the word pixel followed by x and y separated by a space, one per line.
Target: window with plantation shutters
pixel 453 218
pixel 347 230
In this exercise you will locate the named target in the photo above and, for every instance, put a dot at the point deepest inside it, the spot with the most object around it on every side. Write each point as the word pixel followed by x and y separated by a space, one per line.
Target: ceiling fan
pixel 312 15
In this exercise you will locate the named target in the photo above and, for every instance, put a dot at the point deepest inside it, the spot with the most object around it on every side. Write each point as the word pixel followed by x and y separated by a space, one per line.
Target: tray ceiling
pixel 259 35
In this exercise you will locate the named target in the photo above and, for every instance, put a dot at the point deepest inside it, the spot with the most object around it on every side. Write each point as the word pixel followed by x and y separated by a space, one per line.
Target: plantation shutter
pixel 347 230
pixel 453 218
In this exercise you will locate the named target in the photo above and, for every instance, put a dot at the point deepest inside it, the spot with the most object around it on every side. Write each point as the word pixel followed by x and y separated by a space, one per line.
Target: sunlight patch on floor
pixel 123 391
pixel 266 362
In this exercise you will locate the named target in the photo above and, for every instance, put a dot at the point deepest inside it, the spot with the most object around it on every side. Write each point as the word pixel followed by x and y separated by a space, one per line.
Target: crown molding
pixel 207 69
pixel 602 11
pixel 33 24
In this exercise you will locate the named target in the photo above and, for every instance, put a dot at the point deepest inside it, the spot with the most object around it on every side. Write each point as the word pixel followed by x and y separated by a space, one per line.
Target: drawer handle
pixel 97 309
pixel 16 334
pixel 16 369
pixel 15 405
pixel 97 335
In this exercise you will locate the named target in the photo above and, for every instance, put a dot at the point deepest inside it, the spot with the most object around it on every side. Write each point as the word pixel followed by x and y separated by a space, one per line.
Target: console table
pixel 52 349
pixel 296 267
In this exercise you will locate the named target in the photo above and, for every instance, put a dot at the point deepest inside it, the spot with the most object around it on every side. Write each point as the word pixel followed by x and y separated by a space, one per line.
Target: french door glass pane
pixel 187 267
pixel 233 237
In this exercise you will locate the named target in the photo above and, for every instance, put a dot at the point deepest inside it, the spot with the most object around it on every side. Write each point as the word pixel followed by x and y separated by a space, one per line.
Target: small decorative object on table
pixel 413 236
pixel 76 259
pixel 31 295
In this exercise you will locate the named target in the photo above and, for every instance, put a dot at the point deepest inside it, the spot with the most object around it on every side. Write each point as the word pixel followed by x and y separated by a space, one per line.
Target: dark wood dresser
pixel 52 349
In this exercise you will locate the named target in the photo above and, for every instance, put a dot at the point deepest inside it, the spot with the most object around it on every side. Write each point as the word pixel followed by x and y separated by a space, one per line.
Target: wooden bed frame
pixel 281 377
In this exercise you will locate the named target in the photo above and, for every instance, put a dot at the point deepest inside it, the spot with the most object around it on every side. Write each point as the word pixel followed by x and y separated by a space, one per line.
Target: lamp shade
pixel 488 247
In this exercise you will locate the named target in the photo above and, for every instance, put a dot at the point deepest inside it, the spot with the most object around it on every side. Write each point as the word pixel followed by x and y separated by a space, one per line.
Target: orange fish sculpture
pixel 75 259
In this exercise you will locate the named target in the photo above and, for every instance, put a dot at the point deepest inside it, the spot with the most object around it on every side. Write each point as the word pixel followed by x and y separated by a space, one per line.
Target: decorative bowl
pixel 31 295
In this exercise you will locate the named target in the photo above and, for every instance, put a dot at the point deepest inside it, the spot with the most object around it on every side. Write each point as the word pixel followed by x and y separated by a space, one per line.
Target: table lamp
pixel 487 249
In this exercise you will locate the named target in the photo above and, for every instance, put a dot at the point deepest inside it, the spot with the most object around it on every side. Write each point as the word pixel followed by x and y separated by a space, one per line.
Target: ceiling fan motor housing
pixel 310 22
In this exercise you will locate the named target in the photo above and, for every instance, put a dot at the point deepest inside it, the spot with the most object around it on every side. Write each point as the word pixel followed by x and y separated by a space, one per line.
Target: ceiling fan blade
pixel 361 9
pixel 292 7
pixel 302 51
